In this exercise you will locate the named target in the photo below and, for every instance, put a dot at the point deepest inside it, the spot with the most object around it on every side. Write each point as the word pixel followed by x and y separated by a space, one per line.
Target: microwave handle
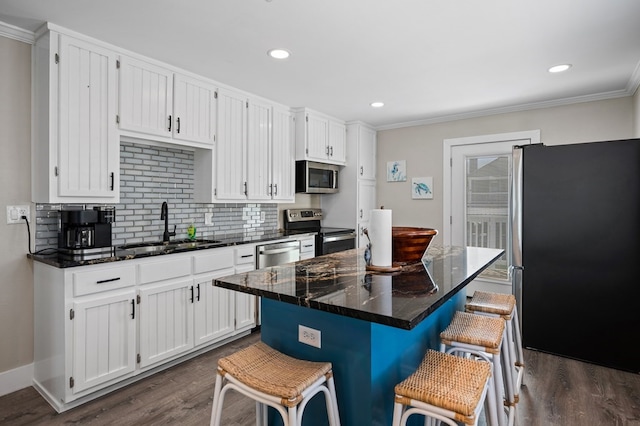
pixel 335 179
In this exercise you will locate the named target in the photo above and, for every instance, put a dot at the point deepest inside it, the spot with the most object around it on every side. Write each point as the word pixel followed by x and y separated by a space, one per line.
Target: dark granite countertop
pixel 117 254
pixel 340 283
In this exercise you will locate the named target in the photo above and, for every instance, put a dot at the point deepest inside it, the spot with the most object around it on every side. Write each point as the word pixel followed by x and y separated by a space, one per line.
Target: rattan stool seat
pixel 447 381
pixel 474 330
pixel 492 303
pixel 272 372
pixel 273 379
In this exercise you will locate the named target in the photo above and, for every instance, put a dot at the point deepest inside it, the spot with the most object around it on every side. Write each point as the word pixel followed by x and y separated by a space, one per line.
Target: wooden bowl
pixel 409 243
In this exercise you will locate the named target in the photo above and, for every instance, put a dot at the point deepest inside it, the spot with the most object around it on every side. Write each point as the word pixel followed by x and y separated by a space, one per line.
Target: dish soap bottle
pixel 191 232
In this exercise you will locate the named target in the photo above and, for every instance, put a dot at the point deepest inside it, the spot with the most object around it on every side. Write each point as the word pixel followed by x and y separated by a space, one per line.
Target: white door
pixel 231 146
pixel 282 157
pixel 477 214
pixel 259 151
pixel 366 153
pixel 166 320
pixel 88 143
pixel 104 338
pixel 194 110
pixel 214 309
pixel 317 137
pixel 146 97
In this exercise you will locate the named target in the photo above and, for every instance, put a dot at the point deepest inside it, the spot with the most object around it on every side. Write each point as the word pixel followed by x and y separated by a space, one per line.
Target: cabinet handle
pixel 112 181
pixel 246 255
pixel 133 309
pixel 360 213
pixel 270 190
pixel 191 294
pixel 245 188
pixel 361 170
pixel 169 123
pixel 276 187
pixel 331 152
pixel 107 280
pixel 198 294
pixel 327 150
pixel 178 124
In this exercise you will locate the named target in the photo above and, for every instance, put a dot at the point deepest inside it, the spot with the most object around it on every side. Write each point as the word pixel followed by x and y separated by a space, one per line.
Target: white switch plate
pixel 208 218
pixel 15 213
pixel 309 336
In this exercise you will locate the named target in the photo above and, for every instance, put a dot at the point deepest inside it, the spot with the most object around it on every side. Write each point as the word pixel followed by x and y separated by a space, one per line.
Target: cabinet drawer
pixel 168 268
pixel 103 279
pixel 308 245
pixel 246 254
pixel 213 260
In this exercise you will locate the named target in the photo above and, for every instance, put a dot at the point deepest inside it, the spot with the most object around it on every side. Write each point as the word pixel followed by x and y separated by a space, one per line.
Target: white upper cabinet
pixel 259 186
pixel 230 150
pixel 156 103
pixel 75 152
pixel 282 185
pixel 366 152
pixel 319 137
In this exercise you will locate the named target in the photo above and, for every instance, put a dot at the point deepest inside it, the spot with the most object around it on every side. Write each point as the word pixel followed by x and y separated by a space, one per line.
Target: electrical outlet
pixel 309 336
pixel 15 213
pixel 262 216
pixel 208 218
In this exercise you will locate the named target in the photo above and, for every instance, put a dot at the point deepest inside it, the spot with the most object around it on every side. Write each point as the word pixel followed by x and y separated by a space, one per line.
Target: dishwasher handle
pixel 279 248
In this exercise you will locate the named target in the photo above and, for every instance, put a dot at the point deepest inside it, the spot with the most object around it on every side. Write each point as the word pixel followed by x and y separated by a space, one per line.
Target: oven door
pixel 333 243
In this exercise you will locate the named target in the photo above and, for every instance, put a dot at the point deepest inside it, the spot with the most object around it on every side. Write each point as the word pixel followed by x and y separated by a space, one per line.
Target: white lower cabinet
pixel 104 338
pixel 97 327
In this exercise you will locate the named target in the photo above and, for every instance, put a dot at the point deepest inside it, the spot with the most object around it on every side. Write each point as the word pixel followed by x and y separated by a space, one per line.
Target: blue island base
pixel 368 359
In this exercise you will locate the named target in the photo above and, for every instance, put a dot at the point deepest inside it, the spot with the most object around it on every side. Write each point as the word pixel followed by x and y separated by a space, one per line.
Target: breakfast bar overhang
pixel 374 327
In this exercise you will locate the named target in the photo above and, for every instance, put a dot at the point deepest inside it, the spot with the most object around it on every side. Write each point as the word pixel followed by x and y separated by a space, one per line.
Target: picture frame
pixel 422 188
pixel 397 171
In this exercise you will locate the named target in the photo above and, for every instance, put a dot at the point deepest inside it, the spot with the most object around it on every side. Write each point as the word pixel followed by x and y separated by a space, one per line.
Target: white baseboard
pixel 16 379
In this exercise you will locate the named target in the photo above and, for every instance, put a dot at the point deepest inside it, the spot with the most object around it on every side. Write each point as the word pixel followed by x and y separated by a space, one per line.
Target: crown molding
pixel 628 91
pixel 16 33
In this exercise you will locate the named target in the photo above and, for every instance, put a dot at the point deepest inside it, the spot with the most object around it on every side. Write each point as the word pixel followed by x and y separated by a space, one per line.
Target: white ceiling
pixel 427 60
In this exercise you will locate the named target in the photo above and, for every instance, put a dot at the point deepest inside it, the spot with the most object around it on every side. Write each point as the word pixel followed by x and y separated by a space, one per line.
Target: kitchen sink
pixel 161 247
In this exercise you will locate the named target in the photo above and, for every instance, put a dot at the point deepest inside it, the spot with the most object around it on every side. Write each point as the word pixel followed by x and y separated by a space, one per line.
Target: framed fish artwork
pixel 397 171
pixel 422 188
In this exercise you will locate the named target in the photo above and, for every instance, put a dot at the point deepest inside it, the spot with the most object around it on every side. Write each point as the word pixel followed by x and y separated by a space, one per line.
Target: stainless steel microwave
pixel 316 178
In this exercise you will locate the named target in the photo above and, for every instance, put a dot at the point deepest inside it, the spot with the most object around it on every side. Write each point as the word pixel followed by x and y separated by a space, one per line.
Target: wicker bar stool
pixel 503 305
pixel 467 334
pixel 448 388
pixel 272 378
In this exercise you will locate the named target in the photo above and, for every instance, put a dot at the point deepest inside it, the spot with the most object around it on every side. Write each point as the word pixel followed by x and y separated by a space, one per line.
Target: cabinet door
pixel 317 137
pixel 259 151
pixel 88 163
pixel 194 110
pixel 245 304
pixel 166 320
pixel 214 311
pixel 231 146
pixel 104 338
pixel 366 153
pixel 366 203
pixel 146 97
pixel 283 156
pixel 337 141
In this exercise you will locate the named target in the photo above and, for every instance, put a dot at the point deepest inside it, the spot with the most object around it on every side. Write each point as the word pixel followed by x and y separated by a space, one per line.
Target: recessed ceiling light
pixel 560 68
pixel 279 53
pixel 377 104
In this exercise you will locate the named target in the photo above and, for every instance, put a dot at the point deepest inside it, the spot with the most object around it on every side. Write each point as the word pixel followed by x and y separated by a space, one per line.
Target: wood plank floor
pixel 556 391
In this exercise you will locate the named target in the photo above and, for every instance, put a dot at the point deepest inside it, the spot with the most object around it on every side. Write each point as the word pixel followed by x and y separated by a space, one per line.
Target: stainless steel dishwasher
pixel 278 253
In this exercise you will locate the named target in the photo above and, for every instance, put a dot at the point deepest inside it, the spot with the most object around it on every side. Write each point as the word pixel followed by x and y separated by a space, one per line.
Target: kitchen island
pixel 374 327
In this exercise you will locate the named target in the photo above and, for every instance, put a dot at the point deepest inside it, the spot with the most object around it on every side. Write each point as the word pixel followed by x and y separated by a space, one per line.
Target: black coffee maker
pixel 86 233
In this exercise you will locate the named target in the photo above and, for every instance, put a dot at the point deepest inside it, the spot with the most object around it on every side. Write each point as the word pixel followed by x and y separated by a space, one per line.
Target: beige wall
pixel 16 282
pixel 422 148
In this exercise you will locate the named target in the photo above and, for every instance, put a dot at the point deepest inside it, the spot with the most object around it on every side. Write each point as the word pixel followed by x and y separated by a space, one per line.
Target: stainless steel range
pixel 328 240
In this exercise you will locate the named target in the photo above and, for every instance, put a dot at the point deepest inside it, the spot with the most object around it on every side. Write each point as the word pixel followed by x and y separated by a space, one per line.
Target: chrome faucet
pixel 164 215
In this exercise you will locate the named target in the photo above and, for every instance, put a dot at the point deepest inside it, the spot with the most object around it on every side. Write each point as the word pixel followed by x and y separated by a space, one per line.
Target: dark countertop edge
pixel 227 241
pixel 406 324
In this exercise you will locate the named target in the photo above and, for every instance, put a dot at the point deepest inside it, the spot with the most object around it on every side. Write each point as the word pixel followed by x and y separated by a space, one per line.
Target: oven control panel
pixel 301 215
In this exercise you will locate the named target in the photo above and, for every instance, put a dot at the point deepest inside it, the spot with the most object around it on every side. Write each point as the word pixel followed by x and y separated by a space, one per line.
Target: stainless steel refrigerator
pixel 575 217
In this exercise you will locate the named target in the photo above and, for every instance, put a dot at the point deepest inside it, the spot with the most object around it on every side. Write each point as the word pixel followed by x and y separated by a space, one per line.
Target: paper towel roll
pixel 380 235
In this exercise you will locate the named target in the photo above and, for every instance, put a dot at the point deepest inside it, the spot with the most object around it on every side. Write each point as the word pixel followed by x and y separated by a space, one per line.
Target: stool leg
pixel 498 385
pixel 334 402
pixel 262 413
pixel 216 407
pixel 397 413
pixel 518 344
